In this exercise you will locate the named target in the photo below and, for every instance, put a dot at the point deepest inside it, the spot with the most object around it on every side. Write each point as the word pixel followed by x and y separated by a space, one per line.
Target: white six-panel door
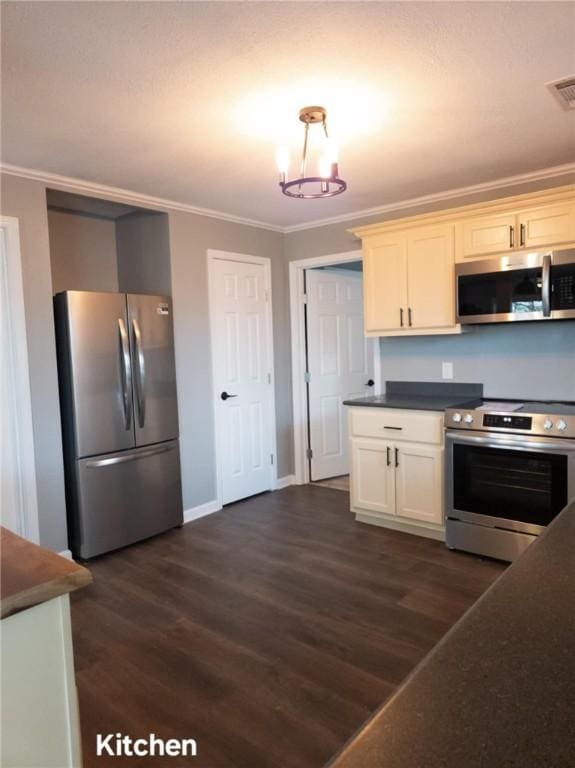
pixel 340 363
pixel 242 370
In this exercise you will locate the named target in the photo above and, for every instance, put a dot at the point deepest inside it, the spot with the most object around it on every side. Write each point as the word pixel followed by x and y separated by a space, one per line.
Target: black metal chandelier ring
pixel 329 187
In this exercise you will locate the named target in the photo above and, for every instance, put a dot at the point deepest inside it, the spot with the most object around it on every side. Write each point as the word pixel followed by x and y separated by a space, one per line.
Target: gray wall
pixel 26 200
pixel 190 237
pixel 517 360
pixel 143 246
pixel 82 252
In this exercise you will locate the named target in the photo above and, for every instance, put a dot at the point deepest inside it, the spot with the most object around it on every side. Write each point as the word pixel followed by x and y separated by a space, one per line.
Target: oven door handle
pixel 511 442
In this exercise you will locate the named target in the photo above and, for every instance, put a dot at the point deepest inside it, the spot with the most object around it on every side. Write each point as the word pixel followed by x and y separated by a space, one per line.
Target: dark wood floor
pixel 268 632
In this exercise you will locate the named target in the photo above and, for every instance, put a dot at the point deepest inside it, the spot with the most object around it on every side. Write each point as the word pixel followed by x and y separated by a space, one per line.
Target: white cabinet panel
pixel 385 282
pixel 419 483
pixel 548 225
pixel 372 476
pixel 484 235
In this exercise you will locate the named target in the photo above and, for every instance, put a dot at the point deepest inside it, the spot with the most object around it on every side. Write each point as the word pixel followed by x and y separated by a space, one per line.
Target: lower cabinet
pixel 397 483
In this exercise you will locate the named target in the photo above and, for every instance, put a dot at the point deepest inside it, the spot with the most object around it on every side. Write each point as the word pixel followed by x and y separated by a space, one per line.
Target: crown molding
pixel 555 172
pixel 119 195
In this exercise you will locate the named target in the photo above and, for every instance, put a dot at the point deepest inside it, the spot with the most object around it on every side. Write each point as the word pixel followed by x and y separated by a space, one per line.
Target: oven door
pixel 514 482
pixel 513 287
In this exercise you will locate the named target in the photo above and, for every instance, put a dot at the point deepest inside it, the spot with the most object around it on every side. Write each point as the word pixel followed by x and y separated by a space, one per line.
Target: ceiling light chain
pixel 329 182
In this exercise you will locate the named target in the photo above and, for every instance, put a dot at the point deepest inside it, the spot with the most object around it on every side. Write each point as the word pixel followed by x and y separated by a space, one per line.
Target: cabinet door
pixel 485 235
pixel 385 282
pixel 419 482
pixel 549 225
pixel 431 277
pixel 372 476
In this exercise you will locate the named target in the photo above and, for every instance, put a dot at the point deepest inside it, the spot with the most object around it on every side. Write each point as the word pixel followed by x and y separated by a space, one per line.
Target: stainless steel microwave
pixel 523 286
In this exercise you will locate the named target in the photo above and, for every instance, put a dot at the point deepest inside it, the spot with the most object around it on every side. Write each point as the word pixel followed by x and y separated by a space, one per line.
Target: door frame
pixel 11 267
pixel 212 257
pixel 299 389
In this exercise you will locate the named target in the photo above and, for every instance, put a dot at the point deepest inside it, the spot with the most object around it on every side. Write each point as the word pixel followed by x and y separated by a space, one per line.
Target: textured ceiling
pixel 181 100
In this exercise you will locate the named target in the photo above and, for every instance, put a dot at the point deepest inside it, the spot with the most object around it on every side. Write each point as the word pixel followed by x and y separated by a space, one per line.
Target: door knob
pixel 369 383
pixel 225 396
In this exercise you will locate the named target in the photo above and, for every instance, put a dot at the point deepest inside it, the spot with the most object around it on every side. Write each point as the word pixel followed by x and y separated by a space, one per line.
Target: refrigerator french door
pixel 119 415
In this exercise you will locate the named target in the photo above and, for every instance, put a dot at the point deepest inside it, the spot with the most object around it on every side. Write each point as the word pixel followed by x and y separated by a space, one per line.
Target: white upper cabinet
pixel 548 225
pixel 430 277
pixel 409 264
pixel 385 282
pixel 486 235
pixel 408 279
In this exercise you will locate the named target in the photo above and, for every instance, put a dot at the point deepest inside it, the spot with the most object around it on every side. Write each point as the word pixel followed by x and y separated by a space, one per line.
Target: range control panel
pixel 507 421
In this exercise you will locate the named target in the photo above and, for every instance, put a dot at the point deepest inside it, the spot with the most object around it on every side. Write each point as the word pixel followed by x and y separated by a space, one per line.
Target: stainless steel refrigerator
pixel 119 415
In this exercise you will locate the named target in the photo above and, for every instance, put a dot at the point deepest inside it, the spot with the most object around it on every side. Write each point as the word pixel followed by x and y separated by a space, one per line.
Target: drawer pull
pixel 397 429
pixel 397 457
pixel 388 456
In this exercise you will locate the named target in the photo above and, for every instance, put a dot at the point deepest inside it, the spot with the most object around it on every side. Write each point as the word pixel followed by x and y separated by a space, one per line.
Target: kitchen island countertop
pixel 499 689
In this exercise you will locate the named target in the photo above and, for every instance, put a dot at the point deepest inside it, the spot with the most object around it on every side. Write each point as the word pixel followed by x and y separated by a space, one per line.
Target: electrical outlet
pixel 447 370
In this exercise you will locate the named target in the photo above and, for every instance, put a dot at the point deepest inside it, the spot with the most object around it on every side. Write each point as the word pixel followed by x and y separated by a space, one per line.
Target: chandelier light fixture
pixel 327 182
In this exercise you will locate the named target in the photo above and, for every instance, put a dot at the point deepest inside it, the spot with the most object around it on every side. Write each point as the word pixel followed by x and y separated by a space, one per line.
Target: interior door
pixel 93 350
pixel 243 377
pixel 154 368
pixel 340 364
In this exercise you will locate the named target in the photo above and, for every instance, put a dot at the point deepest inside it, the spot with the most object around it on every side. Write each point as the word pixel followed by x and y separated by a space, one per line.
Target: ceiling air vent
pixel 564 91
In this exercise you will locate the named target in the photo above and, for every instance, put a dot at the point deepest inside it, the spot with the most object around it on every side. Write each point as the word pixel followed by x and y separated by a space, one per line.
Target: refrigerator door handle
pixel 140 374
pixel 131 456
pixel 125 373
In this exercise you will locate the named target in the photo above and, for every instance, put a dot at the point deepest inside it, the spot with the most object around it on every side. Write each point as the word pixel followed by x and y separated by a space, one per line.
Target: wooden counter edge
pixel 31 574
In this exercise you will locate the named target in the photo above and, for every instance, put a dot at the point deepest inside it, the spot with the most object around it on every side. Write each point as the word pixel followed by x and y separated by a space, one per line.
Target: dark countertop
pixel 30 574
pixel 499 689
pixel 420 395
pixel 408 402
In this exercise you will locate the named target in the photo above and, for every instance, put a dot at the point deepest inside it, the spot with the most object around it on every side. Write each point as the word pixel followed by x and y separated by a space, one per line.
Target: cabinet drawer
pixel 394 424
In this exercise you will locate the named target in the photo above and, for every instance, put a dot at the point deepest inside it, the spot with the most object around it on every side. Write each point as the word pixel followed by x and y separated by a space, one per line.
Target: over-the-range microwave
pixel 523 286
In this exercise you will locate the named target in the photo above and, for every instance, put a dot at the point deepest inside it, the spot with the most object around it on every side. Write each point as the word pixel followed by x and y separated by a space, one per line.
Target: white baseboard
pixel 283 482
pixel 66 553
pixel 194 513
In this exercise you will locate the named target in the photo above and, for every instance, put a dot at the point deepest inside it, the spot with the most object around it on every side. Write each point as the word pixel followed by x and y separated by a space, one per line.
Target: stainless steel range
pixel 510 468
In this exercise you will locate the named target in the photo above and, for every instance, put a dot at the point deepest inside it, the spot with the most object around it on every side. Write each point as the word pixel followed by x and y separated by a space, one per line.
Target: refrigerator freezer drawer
pixel 125 497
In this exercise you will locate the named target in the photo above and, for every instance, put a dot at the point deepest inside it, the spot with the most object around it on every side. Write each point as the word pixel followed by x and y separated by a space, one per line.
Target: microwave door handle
pixel 546 285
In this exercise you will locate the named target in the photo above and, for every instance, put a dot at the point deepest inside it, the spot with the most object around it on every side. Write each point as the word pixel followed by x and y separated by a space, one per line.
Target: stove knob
pixel 547 424
pixel 468 419
pixel 456 417
pixel 561 425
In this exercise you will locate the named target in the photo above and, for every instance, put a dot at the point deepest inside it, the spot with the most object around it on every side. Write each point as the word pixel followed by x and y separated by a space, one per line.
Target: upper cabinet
pixel 408 281
pixel 487 235
pixel 385 282
pixel 525 228
pixel 409 264
pixel 547 225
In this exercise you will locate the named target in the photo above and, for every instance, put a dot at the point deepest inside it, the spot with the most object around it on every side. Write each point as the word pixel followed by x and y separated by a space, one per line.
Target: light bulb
pixel 330 151
pixel 282 160
pixel 325 167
